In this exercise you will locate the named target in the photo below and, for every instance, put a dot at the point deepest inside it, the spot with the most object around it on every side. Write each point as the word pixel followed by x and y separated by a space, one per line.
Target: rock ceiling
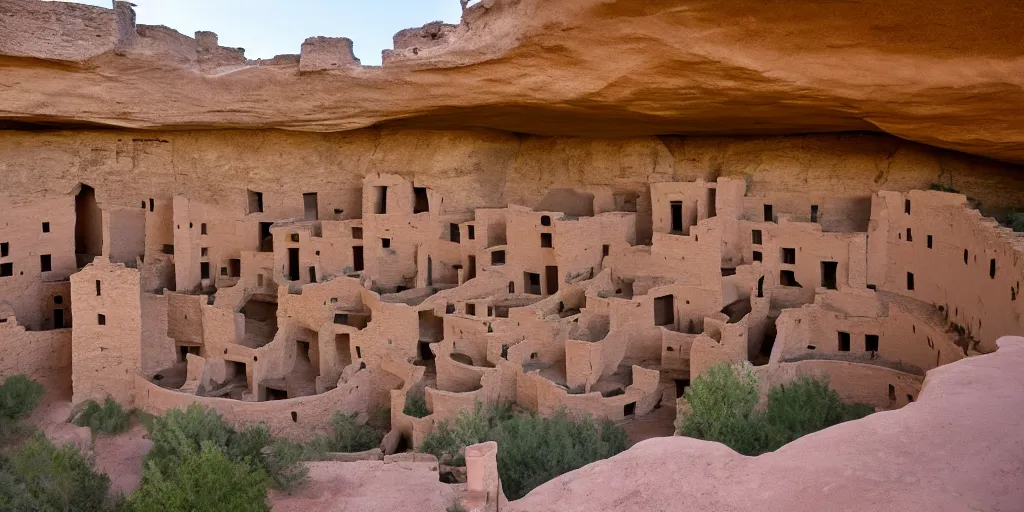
pixel 949 74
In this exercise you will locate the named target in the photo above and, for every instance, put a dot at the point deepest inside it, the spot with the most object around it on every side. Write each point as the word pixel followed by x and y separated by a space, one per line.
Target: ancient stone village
pixel 190 235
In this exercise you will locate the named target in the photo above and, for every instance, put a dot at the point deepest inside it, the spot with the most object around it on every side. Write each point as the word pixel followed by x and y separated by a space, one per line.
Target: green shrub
pixel 531 449
pixel 36 475
pixel 416 405
pixel 350 436
pixel 1015 221
pixel 943 188
pixel 203 479
pixel 19 395
pixel 534 450
pixel 107 419
pixel 179 433
pixel 723 403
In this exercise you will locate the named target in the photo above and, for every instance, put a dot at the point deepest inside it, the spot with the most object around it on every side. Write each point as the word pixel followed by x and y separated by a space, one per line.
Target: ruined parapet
pixel 322 53
pixel 432 34
pixel 212 55
pixel 125 20
pixel 58 31
pixel 483 486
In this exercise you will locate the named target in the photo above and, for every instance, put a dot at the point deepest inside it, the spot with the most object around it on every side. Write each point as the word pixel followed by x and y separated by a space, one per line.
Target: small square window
pixel 545 240
pixel 471 309
pixel 58 299
pixel 357 233
pixel 202 229
pixel 385 243
pixel 295 237
pixel 204 252
pixel 224 271
pixel 44 263
pixel 789 256
pixel 755 237
pixel 46 227
pixel 757 256
pixel 101 319
pixel 605 249
pixel 545 220
pixel 5 249
pixel 6 269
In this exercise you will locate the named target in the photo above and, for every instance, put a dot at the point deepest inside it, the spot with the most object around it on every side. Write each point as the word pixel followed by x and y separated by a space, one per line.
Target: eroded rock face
pixel 948 76
pixel 898 460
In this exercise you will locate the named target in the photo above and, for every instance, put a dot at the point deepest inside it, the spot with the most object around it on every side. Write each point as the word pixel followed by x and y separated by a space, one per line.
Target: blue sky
pixel 270 27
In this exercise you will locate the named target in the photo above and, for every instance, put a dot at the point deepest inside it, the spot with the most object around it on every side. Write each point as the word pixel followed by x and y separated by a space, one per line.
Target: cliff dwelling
pixel 530 250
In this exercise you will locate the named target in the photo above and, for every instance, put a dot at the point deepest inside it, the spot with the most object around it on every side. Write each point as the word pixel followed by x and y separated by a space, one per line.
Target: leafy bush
pixel 416 405
pixel 36 475
pixel 1015 221
pixel 203 479
pixel 179 434
pixel 723 403
pixel 19 395
pixel 107 419
pixel 531 449
pixel 350 436
pixel 943 188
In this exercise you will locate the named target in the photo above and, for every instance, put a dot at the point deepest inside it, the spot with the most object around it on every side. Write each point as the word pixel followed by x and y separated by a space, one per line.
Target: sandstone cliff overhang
pixel 949 75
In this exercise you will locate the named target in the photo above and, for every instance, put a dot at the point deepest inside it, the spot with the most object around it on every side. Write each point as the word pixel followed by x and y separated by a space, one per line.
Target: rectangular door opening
pixel 828 274
pixel 677 216
pixel 266 239
pixel 551 276
pixel 311 210
pixel 293 264
pixel 357 258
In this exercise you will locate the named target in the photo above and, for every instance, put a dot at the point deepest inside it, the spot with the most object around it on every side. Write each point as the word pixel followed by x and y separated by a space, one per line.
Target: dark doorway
pixel 293 263
pixel 677 216
pixel 664 310
pixel 681 385
pixel 551 276
pixel 310 208
pixel 844 341
pixel 421 202
pixel 425 353
pixel 471 268
pixel 266 239
pixel 760 287
pixel 380 200
pixel 828 274
pixel 204 270
pixel 532 283
pixel 343 349
pixel 629 409
pixel 430 271
pixel 88 226
pixel 769 213
pixel 871 342
pixel 357 258
pixel 453 233
pixel 58 319
pixel 312 274
pixel 276 394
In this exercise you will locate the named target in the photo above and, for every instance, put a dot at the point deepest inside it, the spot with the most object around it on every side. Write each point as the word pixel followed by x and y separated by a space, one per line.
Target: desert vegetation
pixel 723 407
pixel 532 449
